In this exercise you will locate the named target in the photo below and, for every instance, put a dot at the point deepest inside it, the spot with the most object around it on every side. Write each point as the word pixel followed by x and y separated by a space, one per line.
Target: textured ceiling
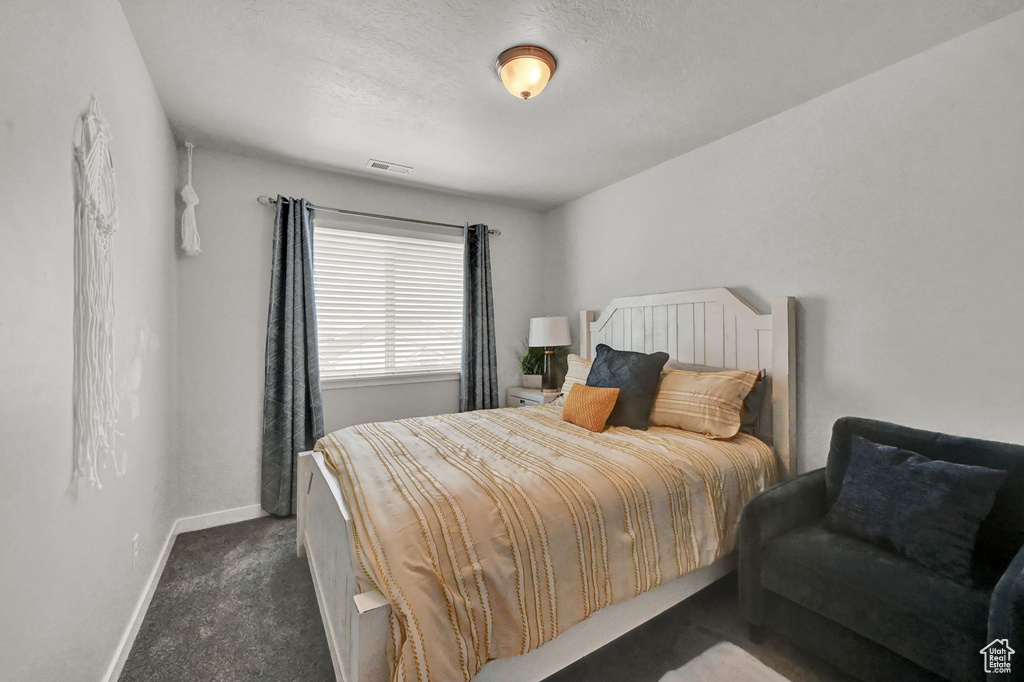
pixel 333 83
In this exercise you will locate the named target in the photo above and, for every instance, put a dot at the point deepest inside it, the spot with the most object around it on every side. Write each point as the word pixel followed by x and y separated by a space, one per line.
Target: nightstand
pixel 522 397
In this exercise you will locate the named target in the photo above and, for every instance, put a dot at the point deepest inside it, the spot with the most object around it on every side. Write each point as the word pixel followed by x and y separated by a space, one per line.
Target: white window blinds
pixel 386 305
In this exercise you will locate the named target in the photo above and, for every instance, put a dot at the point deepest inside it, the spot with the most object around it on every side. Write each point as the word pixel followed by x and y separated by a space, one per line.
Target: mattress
pixel 491 532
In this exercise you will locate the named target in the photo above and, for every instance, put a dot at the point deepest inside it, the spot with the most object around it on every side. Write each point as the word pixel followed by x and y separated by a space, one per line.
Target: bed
pixel 511 543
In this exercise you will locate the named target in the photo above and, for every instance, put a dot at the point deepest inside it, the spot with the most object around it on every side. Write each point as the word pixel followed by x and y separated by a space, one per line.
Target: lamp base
pixel 548 377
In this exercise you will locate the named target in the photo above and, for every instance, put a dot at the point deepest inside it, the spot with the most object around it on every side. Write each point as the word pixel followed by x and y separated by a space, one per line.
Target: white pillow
pixel 579 370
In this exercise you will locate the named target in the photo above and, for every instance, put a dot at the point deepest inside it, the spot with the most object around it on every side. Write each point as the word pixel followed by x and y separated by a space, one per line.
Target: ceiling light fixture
pixel 525 70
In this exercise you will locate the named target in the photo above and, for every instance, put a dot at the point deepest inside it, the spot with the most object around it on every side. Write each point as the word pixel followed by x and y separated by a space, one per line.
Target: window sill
pixel 332 384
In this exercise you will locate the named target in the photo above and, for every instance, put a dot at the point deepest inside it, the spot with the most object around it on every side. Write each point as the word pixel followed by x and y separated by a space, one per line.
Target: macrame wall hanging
pixel 96 221
pixel 189 232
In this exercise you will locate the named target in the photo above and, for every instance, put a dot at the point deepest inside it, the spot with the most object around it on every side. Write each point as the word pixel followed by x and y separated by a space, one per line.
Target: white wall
pixel 223 297
pixel 67 590
pixel 891 208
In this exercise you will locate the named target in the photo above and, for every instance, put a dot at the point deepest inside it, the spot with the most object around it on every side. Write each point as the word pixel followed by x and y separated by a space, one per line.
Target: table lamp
pixel 547 332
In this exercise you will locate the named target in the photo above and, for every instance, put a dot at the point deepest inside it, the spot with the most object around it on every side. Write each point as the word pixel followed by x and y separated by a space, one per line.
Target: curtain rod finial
pixel 265 200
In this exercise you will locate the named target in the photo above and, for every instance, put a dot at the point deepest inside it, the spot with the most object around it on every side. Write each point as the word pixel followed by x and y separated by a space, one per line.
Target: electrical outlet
pixel 135 550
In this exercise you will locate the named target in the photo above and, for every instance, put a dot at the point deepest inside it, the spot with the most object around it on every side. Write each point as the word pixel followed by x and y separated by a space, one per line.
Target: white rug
pixel 727 662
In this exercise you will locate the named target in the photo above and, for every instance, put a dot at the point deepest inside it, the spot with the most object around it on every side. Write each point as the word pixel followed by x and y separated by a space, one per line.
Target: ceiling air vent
pixel 386 167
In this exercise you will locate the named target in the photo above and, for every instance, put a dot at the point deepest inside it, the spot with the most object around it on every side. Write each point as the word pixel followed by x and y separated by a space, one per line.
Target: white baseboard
pixel 218 518
pixel 125 646
pixel 182 525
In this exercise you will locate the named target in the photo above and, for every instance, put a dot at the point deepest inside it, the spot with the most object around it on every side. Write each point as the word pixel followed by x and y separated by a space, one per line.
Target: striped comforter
pixel 491 532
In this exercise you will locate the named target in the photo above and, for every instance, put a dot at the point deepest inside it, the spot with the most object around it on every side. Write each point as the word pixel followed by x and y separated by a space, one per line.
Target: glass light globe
pixel 524 70
pixel 526 76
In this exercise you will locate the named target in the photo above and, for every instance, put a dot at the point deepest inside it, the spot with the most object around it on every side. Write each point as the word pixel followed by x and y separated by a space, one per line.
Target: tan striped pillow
pixel 579 370
pixel 709 403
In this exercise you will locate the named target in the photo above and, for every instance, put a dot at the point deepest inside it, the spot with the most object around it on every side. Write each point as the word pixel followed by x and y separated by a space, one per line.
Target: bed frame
pixel 707 327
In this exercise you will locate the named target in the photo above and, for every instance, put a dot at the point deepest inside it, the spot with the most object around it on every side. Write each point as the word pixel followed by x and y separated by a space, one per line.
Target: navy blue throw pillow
pixel 928 510
pixel 636 375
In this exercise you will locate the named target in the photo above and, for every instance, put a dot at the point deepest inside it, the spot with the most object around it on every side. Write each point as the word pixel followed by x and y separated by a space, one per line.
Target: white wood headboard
pixel 713 327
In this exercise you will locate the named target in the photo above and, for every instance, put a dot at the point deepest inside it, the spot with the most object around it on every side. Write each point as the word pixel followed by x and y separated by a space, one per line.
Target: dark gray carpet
pixel 672 639
pixel 236 603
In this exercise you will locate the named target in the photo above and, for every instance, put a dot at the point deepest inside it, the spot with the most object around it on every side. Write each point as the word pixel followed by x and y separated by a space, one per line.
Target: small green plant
pixel 532 361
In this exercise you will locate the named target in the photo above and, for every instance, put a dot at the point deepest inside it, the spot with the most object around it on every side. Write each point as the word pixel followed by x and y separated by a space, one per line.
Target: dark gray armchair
pixel 867 610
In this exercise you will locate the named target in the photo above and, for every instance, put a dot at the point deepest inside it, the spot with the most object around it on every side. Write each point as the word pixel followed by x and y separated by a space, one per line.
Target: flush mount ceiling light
pixel 525 70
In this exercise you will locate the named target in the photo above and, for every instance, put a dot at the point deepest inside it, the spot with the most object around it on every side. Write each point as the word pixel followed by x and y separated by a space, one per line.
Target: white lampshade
pixel 549 331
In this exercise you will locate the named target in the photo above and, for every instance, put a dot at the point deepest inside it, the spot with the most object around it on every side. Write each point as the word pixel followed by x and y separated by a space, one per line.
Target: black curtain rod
pixel 268 201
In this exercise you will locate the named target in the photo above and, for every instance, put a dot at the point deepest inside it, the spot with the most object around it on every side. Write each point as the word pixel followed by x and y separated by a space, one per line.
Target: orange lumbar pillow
pixel 589 406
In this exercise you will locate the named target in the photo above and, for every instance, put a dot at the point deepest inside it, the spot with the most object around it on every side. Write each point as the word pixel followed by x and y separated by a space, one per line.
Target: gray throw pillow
pixel 928 510
pixel 636 375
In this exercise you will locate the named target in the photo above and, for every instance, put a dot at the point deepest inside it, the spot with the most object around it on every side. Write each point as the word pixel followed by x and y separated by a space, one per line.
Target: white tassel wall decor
pixel 189 232
pixel 96 220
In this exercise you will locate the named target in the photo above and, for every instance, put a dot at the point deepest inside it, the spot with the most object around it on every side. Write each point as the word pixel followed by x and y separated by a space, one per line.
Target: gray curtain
pixel 479 389
pixel 293 417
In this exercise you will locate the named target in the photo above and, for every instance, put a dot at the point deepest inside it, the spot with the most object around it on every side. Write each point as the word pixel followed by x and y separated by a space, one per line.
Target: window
pixel 387 306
